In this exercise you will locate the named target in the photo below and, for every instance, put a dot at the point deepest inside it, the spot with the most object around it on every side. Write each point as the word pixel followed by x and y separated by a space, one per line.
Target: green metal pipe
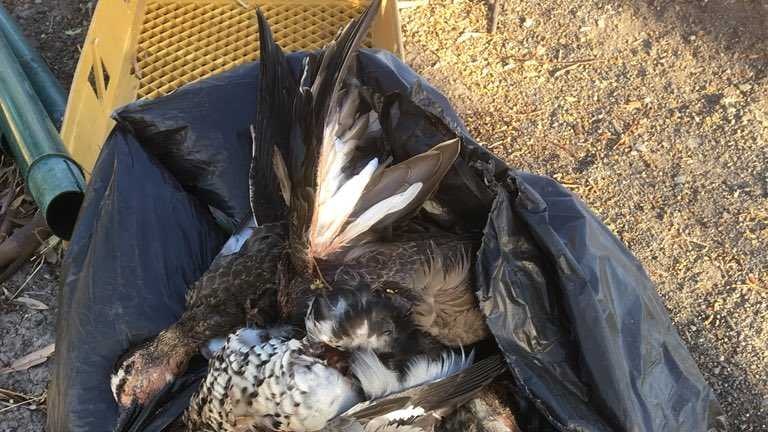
pixel 46 86
pixel 53 178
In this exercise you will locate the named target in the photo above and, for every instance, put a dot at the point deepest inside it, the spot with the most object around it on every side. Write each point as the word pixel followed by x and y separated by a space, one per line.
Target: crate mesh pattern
pixel 182 42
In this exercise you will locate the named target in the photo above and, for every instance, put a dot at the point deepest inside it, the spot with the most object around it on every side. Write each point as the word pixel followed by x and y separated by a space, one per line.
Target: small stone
pixel 528 23
pixel 679 179
pixel 601 23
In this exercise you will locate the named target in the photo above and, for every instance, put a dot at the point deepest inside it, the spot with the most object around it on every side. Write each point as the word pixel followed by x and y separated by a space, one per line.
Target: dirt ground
pixel 654 112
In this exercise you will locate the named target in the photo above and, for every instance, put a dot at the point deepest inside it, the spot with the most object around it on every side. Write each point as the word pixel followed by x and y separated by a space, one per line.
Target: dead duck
pixel 241 284
pixel 266 379
pixel 222 300
pixel 336 215
pixel 351 209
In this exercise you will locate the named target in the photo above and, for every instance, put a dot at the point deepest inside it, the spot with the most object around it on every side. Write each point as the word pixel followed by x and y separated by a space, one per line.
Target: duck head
pixel 145 370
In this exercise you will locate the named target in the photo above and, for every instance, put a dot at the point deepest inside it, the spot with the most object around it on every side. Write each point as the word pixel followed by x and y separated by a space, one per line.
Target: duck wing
pixel 340 192
pixel 424 405
pixel 400 190
pixel 271 130
pixel 316 121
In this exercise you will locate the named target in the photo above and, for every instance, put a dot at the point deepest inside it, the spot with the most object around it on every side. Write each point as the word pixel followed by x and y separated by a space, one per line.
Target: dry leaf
pixel 632 105
pixel 31 303
pixel 468 35
pixel 32 359
pixel 17 202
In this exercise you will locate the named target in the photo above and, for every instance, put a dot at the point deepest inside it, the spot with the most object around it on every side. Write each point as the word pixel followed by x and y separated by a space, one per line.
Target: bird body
pixel 266 379
pixel 351 207
pixel 345 265
pixel 236 286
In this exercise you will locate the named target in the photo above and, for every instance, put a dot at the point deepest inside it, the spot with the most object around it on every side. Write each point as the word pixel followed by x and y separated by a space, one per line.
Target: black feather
pixel 272 127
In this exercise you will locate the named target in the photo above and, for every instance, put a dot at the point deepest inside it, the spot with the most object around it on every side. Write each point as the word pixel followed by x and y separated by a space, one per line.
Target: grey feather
pixel 432 399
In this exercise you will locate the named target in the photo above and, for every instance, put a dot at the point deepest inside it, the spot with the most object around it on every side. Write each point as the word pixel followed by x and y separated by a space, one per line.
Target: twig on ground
pixel 495 11
pixel 22 244
pixel 405 4
pixel 5 393
pixel 29 278
pixel 572 65
pixel 25 402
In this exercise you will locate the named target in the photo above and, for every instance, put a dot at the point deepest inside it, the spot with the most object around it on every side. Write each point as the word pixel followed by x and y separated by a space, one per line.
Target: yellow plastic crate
pixel 148 48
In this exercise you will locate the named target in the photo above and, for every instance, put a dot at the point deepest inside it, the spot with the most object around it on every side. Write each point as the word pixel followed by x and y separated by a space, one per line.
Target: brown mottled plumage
pixel 235 287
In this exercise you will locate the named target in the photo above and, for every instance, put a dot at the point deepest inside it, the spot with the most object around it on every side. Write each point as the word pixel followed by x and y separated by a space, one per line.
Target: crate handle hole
pixel 92 82
pixel 105 73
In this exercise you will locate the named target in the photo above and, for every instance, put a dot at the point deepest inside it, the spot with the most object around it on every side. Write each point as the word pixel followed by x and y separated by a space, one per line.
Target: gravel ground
pixel 655 112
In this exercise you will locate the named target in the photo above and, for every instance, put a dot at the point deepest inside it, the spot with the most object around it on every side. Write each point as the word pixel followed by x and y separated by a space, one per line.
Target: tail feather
pixel 272 128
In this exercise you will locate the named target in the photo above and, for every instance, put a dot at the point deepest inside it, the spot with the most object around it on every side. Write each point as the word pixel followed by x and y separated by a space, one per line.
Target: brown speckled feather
pixel 432 275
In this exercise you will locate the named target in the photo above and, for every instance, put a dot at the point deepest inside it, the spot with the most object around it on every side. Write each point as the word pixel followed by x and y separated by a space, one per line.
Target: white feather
pixel 238 239
pixel 337 146
pixel 405 413
pixel 321 331
pixel 376 379
pixel 212 347
pixel 377 212
pixel 332 215
pixel 423 369
pixel 374 126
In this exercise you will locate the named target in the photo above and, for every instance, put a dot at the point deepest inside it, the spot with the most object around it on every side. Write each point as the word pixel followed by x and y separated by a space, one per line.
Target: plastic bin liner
pixel 211 162
pixel 585 334
pixel 140 240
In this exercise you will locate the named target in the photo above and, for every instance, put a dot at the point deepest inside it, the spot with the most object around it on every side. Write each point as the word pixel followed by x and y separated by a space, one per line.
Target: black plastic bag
pixel 140 240
pixel 584 332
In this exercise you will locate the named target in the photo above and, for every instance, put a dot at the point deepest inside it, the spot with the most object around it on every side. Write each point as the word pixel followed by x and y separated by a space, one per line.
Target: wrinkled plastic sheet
pixel 585 334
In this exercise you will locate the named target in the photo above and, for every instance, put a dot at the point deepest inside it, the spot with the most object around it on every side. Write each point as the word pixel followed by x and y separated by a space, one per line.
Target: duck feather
pixel 316 121
pixel 270 132
pixel 433 398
